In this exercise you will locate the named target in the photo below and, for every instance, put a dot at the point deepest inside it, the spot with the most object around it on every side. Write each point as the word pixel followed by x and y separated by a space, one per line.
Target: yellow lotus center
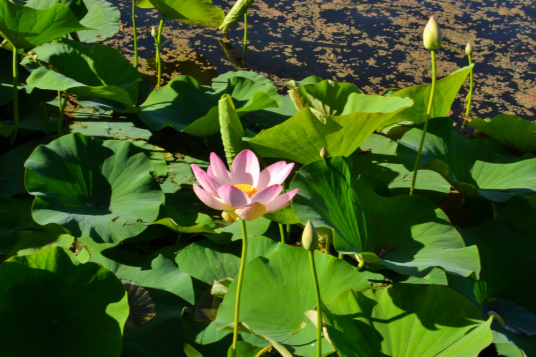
pixel 248 189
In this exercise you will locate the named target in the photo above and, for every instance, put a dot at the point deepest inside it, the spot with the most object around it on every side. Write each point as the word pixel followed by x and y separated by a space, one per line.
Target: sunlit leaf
pixel 406 320
pixel 99 189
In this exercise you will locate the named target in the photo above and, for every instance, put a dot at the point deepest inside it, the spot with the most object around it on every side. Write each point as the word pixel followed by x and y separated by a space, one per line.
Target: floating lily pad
pixel 103 190
pixel 63 307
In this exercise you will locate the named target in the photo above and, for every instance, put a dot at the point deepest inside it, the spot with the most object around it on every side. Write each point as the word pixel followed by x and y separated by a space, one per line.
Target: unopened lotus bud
pixel 309 237
pixel 469 49
pixel 229 216
pixel 323 152
pixel 153 31
pixel 431 37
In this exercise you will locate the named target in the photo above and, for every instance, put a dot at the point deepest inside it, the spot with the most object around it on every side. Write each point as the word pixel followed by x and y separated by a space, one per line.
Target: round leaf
pixel 406 320
pixel 277 291
pixel 103 190
pixel 64 308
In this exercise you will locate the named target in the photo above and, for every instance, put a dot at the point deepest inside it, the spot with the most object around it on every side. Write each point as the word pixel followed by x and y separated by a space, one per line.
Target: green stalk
pixel 282 232
pixel 134 34
pixel 319 323
pixel 428 111
pixel 158 59
pixel 245 34
pixel 470 95
pixel 239 285
pixel 62 109
pixel 15 96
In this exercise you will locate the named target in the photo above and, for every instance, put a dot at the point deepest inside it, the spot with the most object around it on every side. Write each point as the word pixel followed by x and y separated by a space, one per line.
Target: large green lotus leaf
pixel 407 234
pixel 301 137
pixel 240 7
pixel 518 212
pixel 31 240
pixel 445 92
pixel 187 106
pixel 406 320
pixel 15 216
pixel 103 190
pixel 193 12
pixel 277 290
pixel 97 14
pixel 476 168
pixel 500 245
pixel 328 97
pixel 156 294
pixel 510 130
pixel 25 27
pixel 378 158
pixel 12 167
pixel 111 26
pixel 98 70
pixel 63 307
pixel 208 261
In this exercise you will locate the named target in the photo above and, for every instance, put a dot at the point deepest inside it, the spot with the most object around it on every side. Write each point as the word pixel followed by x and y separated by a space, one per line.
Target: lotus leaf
pixel 510 130
pixel 98 71
pixel 476 168
pixel 193 12
pixel 407 234
pixel 99 189
pixel 406 320
pixel 64 307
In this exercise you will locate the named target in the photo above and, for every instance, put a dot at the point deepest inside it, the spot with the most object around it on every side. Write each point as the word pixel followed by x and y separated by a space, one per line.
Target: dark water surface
pixel 375 45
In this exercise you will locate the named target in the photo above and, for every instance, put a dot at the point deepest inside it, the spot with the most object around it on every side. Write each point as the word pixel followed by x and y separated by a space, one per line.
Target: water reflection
pixel 375 45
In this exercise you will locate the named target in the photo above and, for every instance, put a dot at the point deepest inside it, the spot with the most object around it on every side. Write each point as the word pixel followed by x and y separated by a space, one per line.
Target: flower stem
pixel 239 284
pixel 428 111
pixel 319 323
pixel 245 35
pixel 134 34
pixel 282 232
pixel 15 96
pixel 470 95
pixel 158 58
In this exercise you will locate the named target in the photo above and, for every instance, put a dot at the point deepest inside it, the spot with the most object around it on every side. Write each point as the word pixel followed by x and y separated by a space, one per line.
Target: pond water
pixel 375 45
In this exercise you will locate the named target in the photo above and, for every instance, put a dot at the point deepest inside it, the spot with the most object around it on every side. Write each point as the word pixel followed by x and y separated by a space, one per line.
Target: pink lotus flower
pixel 245 192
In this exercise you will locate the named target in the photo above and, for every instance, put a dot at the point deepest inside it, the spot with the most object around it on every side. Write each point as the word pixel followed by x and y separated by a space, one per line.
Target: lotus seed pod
pixel 229 216
pixel 153 31
pixel 469 49
pixel 309 237
pixel 431 37
pixel 323 152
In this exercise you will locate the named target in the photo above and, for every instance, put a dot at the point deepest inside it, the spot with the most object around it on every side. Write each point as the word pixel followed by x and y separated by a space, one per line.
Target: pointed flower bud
pixel 469 49
pixel 309 237
pixel 153 31
pixel 323 152
pixel 431 37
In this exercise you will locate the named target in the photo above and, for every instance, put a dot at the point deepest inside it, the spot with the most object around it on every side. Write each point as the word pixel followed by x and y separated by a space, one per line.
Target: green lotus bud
pixel 309 237
pixel 469 49
pixel 323 152
pixel 431 37
pixel 153 31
